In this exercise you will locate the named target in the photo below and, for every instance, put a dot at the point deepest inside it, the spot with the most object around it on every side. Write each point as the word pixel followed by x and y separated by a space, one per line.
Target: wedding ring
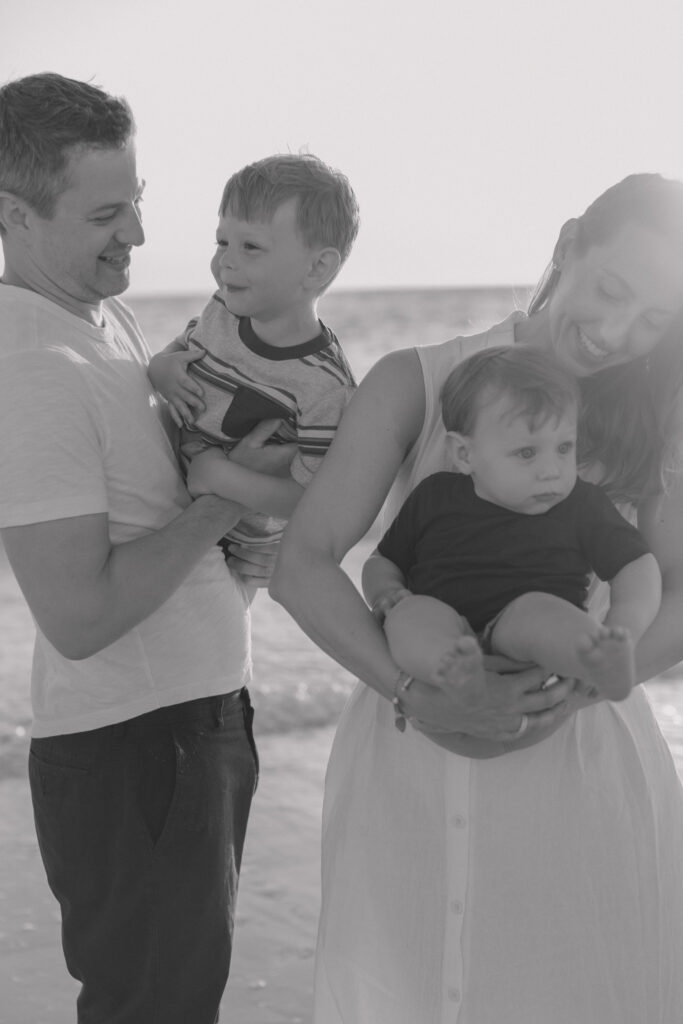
pixel 523 725
pixel 401 686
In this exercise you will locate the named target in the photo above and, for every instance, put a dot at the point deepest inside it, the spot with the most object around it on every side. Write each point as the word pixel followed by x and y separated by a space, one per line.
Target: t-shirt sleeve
pixel 316 428
pixel 51 460
pixel 398 543
pixel 609 541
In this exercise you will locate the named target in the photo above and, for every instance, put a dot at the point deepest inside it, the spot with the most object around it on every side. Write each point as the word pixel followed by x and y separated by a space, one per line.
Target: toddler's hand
pixel 204 468
pixel 387 601
pixel 169 374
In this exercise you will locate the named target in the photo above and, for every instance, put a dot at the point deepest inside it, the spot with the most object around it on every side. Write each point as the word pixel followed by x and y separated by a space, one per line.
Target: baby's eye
pixel 526 453
pixel 566 448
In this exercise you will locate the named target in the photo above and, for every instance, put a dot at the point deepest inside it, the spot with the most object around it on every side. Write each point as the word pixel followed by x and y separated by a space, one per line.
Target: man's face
pixel 81 254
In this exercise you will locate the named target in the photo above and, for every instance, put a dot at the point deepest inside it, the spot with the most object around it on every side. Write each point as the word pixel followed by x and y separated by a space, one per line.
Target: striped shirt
pixel 245 380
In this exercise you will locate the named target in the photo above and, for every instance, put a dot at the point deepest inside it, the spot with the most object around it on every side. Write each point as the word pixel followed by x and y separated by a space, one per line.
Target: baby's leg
pixel 562 638
pixel 430 641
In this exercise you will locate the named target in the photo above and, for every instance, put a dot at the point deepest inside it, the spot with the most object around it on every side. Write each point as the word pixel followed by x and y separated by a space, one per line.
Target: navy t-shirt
pixel 477 556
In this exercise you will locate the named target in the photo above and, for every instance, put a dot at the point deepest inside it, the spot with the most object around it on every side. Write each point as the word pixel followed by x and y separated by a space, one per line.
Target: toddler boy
pixel 503 546
pixel 258 351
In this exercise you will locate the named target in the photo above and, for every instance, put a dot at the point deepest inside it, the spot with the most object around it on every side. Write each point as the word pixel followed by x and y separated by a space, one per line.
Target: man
pixel 142 762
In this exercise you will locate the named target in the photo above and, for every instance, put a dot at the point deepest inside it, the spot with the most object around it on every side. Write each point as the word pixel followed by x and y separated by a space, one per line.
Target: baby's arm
pixel 169 375
pixel 635 596
pixel 384 584
pixel 212 472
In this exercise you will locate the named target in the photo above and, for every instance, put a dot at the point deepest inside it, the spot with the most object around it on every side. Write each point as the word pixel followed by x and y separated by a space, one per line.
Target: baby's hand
pixel 204 471
pixel 168 373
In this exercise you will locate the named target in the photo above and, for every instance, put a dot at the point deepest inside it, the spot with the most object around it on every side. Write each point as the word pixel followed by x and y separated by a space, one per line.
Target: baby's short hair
pixel 327 209
pixel 538 387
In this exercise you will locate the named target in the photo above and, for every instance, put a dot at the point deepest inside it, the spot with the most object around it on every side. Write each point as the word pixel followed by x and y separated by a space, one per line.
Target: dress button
pixel 458 821
pixel 454 995
pixel 456 906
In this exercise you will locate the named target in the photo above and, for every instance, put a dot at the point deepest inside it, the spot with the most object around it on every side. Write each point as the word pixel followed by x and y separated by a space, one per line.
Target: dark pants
pixel 141 827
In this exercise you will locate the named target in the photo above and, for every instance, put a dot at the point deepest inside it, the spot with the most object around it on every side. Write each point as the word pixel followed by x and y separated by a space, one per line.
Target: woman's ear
pixel 458 451
pixel 564 242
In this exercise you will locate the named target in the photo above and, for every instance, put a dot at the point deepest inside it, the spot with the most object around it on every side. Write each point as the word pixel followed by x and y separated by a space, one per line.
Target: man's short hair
pixel 43 119
pixel 327 209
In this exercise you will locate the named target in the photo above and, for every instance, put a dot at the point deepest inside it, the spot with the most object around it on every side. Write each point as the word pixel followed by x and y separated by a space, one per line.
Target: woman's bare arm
pixel 661 523
pixel 381 423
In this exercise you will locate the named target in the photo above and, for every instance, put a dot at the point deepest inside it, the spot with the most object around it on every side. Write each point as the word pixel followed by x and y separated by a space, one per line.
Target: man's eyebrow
pixel 114 206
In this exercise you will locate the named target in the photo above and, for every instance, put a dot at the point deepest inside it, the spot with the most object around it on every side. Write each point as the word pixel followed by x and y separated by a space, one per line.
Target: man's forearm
pixel 86 593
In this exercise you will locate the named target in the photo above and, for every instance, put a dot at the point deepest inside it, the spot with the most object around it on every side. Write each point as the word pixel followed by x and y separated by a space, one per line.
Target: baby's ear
pixel 458 451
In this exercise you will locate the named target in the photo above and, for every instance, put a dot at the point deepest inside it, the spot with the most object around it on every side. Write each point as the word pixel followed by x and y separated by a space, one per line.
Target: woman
pixel 543 886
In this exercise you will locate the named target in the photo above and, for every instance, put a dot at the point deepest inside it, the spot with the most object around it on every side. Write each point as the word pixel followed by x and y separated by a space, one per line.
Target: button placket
pixel 457 838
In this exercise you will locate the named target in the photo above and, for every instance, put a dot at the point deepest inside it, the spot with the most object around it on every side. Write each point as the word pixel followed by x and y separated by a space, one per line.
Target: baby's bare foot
pixel 463 666
pixel 609 661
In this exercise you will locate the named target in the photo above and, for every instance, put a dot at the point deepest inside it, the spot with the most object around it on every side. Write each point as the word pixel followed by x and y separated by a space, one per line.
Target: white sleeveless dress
pixel 541 887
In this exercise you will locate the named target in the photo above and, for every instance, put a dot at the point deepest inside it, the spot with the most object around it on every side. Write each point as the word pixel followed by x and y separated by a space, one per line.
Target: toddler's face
pixel 261 267
pixel 521 466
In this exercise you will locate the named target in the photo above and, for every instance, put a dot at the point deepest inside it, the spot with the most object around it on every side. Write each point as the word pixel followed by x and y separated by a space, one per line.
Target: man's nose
pixel 131 231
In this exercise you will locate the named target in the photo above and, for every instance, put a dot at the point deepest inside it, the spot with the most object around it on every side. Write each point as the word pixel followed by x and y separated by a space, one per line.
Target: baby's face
pixel 262 267
pixel 526 467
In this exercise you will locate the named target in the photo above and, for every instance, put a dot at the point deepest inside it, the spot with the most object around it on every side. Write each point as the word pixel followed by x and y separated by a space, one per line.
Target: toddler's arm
pixel 168 373
pixel 635 596
pixel 212 472
pixel 384 584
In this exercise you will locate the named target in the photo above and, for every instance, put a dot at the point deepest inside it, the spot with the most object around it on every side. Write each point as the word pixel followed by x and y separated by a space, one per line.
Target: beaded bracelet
pixel 401 686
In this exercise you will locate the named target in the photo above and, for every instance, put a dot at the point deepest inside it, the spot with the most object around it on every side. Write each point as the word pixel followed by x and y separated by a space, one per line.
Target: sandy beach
pixel 271 976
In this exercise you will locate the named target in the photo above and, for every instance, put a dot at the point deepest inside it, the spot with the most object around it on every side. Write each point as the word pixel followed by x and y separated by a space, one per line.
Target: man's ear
pixel 13 212
pixel 324 267
pixel 458 449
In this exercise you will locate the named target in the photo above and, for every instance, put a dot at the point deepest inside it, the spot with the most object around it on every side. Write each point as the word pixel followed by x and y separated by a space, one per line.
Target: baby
pixel 503 545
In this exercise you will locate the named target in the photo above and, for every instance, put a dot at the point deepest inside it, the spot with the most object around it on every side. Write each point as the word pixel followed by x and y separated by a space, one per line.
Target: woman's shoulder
pixel 442 357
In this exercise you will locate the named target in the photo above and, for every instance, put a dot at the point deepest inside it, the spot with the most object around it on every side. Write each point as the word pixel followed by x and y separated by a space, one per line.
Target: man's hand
pixel 169 375
pixel 254 565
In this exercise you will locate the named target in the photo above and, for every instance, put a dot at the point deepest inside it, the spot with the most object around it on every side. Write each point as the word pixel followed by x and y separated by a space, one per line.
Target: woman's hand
pixel 489 704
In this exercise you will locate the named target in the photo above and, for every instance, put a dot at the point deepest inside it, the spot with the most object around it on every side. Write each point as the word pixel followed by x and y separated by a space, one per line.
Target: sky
pixel 470 129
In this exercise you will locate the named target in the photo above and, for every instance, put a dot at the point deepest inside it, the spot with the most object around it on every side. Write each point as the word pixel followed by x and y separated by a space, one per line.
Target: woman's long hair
pixel 630 423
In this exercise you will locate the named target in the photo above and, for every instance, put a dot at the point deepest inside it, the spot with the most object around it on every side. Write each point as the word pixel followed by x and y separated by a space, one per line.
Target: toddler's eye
pixel 566 447
pixel 526 453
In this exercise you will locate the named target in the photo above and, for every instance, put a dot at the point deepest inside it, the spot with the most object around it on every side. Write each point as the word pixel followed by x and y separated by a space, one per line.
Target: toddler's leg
pixel 430 641
pixel 562 638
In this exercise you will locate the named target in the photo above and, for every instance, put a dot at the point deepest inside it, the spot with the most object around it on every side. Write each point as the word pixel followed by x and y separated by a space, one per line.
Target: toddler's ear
pixel 324 268
pixel 458 451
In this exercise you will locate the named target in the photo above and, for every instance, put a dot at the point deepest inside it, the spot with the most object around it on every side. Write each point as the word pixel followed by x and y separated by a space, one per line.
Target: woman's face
pixel 614 301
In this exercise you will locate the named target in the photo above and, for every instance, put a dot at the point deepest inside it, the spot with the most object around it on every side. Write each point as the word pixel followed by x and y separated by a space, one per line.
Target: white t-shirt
pixel 82 434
